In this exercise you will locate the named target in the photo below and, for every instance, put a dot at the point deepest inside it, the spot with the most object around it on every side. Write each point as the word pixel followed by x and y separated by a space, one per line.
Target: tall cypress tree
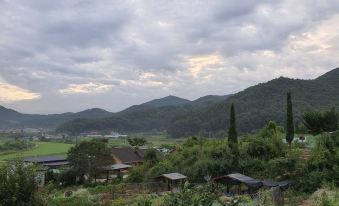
pixel 289 122
pixel 232 131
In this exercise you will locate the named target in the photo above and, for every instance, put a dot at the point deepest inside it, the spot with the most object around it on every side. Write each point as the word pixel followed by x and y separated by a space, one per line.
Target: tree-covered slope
pixel 256 105
pixel 154 115
pixel 166 101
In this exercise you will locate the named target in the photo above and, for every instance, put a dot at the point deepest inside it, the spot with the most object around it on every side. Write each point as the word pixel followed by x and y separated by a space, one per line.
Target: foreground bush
pixel 323 165
pixel 18 186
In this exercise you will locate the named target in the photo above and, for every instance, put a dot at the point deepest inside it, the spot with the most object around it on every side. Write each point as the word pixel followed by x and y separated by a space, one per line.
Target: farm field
pixel 41 149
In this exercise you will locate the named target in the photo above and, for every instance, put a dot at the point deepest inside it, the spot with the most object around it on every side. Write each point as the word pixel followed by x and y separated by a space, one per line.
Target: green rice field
pixel 41 149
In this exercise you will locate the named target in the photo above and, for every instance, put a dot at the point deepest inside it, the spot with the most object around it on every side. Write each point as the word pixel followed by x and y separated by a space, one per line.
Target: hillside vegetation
pixel 142 118
pixel 254 106
pixel 257 105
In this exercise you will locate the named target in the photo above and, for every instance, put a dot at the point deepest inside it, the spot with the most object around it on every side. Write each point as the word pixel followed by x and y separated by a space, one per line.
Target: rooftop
pixel 117 167
pixel 45 159
pixel 61 163
pixel 237 177
pixel 174 176
pixel 128 155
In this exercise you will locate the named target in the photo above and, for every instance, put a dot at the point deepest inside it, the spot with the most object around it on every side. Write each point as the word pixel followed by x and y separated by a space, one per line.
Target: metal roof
pixel 174 176
pixel 44 159
pixel 120 166
pixel 56 163
pixel 249 181
pixel 117 167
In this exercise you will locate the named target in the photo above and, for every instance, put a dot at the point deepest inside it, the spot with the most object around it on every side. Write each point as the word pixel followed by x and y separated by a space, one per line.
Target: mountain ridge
pixel 255 106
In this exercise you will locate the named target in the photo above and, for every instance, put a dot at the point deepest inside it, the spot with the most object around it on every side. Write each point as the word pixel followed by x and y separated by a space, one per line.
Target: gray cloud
pixel 118 53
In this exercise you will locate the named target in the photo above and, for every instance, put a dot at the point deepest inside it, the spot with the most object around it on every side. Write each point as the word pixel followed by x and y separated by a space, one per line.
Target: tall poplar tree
pixel 289 120
pixel 232 131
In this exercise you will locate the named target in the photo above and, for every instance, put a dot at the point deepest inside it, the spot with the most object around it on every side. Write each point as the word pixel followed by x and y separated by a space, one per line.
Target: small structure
pixel 172 179
pixel 127 155
pixel 276 189
pixel 48 161
pixel 271 183
pixel 251 185
pixel 117 168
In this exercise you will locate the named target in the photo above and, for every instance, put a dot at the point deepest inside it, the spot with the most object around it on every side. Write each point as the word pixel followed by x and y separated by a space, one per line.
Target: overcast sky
pixel 70 55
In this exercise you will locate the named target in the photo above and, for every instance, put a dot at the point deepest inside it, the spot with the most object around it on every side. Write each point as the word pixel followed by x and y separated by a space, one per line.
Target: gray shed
pixel 172 179
pixel 239 179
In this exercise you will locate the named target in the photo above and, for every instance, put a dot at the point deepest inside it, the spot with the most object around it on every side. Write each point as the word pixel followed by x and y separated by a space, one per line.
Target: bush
pixel 151 155
pixel 136 175
pixel 322 167
pixel 68 177
pixel 18 185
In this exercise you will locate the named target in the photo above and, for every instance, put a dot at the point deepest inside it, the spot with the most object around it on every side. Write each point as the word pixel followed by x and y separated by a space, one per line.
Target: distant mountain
pixel 12 119
pixel 92 113
pixel 153 115
pixel 166 101
pixel 255 106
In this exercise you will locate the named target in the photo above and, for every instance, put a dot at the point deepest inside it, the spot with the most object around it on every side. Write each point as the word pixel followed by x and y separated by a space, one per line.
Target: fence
pixel 127 190
pixel 134 189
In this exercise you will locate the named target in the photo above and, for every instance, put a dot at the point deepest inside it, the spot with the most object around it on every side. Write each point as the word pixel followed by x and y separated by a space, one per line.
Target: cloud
pixel 199 63
pixel 88 88
pixel 11 93
pixel 149 49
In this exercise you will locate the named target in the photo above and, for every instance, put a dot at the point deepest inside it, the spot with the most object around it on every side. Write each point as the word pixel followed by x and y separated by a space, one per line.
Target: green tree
pixel 18 186
pixel 270 131
pixel 232 131
pixel 136 142
pixel 289 122
pixel 317 122
pixel 89 157
pixel 312 121
pixel 329 120
pixel 151 155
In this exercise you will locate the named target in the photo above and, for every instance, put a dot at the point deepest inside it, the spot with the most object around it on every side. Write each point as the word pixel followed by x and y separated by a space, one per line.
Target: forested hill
pixel 167 101
pixel 153 115
pixel 255 106
pixel 12 119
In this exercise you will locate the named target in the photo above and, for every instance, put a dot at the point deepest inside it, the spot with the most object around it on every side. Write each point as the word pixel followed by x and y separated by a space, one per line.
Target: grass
pixel 41 149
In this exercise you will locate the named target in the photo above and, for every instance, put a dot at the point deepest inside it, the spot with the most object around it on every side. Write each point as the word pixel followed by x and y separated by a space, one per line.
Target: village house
pixel 127 155
pixel 48 161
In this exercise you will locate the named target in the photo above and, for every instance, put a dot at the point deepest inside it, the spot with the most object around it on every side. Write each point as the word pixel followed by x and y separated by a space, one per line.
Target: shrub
pixel 136 175
pixel 68 177
pixel 18 185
